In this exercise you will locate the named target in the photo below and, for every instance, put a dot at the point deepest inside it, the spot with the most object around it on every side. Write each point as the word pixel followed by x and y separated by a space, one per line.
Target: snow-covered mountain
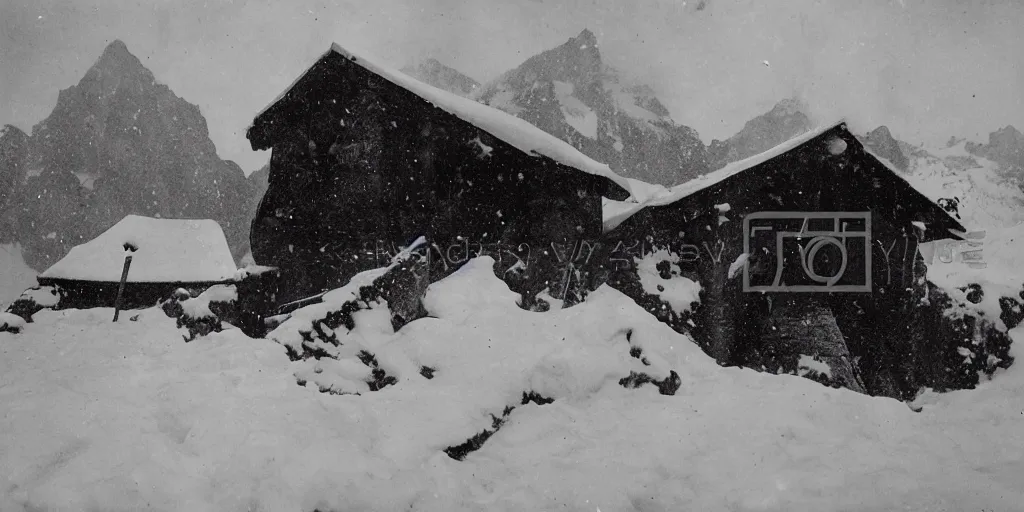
pixel 433 72
pixel 570 93
pixel 981 183
pixel 117 143
pixel 985 193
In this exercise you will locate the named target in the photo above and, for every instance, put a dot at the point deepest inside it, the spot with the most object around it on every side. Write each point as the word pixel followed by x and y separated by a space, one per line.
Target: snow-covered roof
pixel 616 212
pixel 168 250
pixel 693 186
pixel 517 132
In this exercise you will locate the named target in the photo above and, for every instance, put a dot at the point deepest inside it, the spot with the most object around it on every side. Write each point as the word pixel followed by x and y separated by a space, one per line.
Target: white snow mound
pixel 124 416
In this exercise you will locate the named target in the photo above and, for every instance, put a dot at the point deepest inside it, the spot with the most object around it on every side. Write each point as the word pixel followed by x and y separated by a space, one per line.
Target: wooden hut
pixel 366 159
pixel 747 237
pixel 168 254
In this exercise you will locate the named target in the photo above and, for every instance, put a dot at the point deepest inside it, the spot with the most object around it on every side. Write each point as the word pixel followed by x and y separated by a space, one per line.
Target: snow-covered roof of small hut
pixel 517 132
pixel 615 212
pixel 168 251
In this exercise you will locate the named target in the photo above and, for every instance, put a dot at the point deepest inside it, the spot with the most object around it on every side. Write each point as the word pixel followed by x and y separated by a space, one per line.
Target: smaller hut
pixel 803 258
pixel 168 254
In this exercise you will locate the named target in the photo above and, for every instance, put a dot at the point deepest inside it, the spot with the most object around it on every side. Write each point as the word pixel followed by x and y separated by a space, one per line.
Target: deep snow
pixel 126 416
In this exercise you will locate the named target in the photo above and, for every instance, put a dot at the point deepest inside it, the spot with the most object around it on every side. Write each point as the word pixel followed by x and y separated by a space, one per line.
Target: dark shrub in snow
pixel 205 313
pixel 315 332
pixel 959 339
pixel 34 300
pixel 11 323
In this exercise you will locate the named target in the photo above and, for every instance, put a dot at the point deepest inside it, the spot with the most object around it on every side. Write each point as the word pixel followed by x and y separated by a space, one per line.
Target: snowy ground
pixel 102 416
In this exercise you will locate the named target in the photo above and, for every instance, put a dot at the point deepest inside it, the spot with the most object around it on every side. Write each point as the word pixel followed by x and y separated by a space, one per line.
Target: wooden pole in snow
pixel 129 248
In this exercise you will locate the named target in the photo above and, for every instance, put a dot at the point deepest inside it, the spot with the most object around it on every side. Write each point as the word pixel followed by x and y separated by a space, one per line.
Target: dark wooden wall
pixel 730 324
pixel 100 294
pixel 361 166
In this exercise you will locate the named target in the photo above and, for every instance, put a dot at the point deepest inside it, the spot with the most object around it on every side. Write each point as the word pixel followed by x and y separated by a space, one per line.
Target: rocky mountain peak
pixel 787 107
pixel 880 133
pixel 119 143
pixel 1005 146
pixel 432 72
pixel 783 122
pixel 117 65
pixel 585 38
pixel 881 142
pixel 570 93
pixel 577 61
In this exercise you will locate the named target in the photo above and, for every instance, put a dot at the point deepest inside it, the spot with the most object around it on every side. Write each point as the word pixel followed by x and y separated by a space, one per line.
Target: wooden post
pixel 124 277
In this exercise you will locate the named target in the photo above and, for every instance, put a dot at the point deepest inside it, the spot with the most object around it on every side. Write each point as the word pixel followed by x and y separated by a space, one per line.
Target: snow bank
pixel 15 274
pixel 517 132
pixel 11 323
pixel 678 291
pixel 199 307
pixel 124 416
pixel 169 250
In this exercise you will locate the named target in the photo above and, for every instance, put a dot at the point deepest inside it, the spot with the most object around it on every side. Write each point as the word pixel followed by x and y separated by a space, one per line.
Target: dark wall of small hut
pixel 99 294
pixel 705 231
pixel 361 167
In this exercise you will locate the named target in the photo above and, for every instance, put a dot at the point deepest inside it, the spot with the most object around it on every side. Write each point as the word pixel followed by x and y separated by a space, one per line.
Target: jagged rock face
pixel 1005 146
pixel 781 123
pixel 259 181
pixel 432 72
pixel 119 143
pixel 13 152
pixel 570 93
pixel 881 142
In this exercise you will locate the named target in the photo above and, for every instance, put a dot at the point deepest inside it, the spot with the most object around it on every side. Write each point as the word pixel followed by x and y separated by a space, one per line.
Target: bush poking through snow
pixel 312 331
pixel 204 314
pixel 34 300
pixel 459 452
pixel 313 335
pixel 961 335
pixel 658 284
pixel 667 386
pixel 537 398
pixel 11 323
pixel 380 378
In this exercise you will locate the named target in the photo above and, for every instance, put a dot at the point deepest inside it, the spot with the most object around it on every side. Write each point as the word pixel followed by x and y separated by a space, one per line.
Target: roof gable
pixel 616 213
pixel 168 251
pixel 516 132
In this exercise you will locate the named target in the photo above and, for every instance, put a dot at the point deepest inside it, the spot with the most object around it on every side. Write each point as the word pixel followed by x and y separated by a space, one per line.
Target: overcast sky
pixel 926 68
